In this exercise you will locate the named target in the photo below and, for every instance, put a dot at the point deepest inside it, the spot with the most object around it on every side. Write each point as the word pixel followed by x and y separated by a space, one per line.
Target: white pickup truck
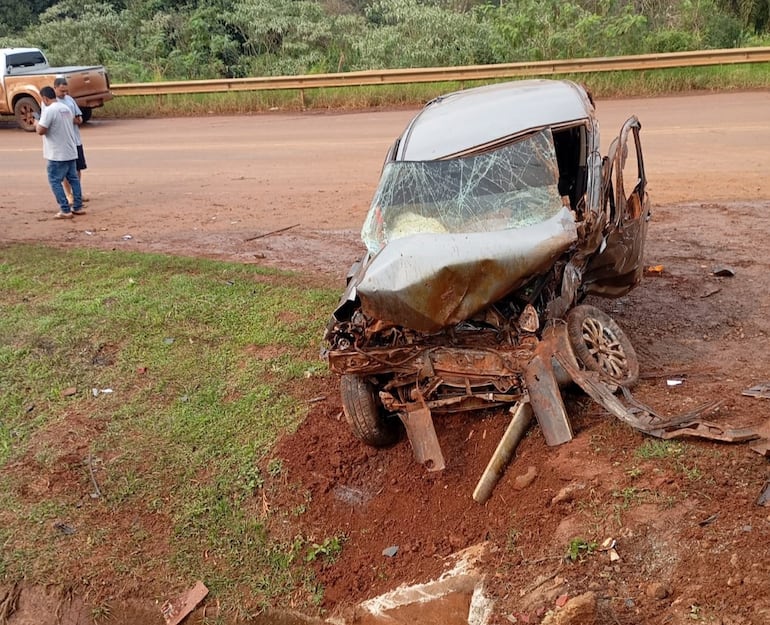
pixel 24 71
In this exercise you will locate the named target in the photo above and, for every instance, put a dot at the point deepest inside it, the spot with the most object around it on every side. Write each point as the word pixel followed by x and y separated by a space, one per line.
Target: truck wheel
pixel 25 110
pixel 601 346
pixel 86 111
pixel 365 414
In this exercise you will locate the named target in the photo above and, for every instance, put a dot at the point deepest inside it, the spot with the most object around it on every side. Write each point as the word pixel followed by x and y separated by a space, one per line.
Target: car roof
pixel 15 50
pixel 462 120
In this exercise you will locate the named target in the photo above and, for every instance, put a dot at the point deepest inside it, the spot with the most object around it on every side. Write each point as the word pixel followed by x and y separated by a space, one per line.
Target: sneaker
pixel 61 215
pixel 79 211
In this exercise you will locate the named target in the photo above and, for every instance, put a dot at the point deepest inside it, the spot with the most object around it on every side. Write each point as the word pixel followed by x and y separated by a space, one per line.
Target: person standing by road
pixel 60 150
pixel 62 95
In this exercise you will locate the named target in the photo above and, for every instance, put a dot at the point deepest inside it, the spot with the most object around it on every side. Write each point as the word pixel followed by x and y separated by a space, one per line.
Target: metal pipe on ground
pixel 522 417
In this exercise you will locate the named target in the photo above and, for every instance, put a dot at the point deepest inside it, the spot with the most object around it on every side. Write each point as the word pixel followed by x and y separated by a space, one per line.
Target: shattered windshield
pixel 511 187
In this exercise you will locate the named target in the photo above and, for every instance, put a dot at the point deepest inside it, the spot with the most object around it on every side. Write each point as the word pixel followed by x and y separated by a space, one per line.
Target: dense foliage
pixel 187 39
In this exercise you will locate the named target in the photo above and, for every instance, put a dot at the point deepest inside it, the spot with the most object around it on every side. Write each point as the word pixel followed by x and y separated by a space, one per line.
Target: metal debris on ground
pixel 64 528
pixel 758 390
pixel 761 446
pixel 764 497
pixel 708 520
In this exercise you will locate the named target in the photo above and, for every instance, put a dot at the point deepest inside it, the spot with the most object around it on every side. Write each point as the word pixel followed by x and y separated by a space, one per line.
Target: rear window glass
pixel 25 59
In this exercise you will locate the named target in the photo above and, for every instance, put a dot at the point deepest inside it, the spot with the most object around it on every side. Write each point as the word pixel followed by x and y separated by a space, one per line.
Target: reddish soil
pixel 693 544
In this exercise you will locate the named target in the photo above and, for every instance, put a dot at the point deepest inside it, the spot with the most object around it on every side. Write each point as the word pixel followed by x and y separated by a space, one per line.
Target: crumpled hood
pixel 430 281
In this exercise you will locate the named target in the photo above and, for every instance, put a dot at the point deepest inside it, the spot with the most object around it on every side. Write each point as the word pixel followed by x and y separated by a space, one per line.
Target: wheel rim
pixel 605 347
pixel 27 114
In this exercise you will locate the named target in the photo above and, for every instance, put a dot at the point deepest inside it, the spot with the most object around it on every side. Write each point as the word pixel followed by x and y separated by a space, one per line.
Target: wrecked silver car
pixel 495 215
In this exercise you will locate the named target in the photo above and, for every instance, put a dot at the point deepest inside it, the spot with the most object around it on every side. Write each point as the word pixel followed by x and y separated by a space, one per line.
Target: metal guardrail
pixel 442 74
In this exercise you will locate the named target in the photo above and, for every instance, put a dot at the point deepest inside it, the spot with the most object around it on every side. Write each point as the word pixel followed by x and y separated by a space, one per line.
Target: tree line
pixel 150 40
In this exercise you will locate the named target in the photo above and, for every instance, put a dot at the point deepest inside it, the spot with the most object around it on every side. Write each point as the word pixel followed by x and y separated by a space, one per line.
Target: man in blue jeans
pixel 60 151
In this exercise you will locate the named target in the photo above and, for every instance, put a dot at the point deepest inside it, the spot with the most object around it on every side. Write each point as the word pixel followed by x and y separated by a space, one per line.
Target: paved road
pixel 205 185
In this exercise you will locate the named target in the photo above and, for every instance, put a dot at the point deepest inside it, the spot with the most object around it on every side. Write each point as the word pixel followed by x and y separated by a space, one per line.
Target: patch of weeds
pixel 315 591
pixel 634 472
pixel 693 473
pixel 275 467
pixel 329 550
pixel 579 548
pixel 512 539
pixel 101 612
pixel 629 495
pixel 651 449
pixel 300 509
pixel 251 479
pixel 122 486
pixel 597 441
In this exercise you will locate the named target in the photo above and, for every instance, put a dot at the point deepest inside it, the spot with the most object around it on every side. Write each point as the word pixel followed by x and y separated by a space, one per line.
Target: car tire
pixel 25 110
pixel 85 113
pixel 600 345
pixel 365 414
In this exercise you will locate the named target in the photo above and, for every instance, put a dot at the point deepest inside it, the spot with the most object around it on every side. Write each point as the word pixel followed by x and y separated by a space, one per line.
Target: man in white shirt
pixel 60 151
pixel 61 88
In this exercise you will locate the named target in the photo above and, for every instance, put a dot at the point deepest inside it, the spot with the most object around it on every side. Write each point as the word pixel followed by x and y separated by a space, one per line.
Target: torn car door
pixel 617 267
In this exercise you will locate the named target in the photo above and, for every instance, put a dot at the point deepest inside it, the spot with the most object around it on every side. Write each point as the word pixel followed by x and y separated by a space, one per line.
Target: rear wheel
pixel 25 110
pixel 86 113
pixel 365 414
pixel 600 345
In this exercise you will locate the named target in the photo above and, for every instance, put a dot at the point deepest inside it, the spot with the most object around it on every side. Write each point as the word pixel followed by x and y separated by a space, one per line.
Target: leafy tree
pixel 16 15
pixel 74 33
pixel 754 14
pixel 407 33
pixel 291 36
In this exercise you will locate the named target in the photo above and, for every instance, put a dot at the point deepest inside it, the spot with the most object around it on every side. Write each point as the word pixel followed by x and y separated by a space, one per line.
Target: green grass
pixel 206 362
pixel 602 85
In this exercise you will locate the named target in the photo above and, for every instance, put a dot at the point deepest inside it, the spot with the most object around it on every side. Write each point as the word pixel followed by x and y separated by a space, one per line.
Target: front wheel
pixel 365 414
pixel 601 346
pixel 25 110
